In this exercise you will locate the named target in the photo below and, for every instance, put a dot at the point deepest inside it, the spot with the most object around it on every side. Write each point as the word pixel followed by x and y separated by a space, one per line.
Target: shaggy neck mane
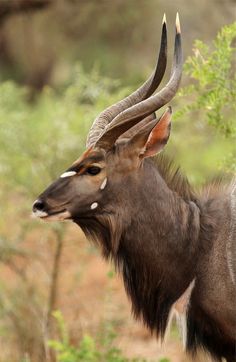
pixel 174 178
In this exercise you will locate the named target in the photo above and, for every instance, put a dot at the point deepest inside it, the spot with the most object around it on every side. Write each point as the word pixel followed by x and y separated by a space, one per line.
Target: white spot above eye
pixel 103 185
pixel 68 174
pixel 94 205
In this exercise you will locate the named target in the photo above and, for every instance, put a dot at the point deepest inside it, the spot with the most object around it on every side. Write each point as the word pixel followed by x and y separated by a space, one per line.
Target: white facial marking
pixel 68 174
pixel 94 205
pixel 103 185
pixel 39 213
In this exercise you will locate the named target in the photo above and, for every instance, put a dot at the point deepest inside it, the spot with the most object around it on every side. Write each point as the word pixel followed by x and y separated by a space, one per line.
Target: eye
pixel 93 170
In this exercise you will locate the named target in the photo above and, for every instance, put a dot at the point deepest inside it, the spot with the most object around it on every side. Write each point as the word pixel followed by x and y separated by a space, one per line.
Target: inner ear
pixel 153 136
pixel 134 130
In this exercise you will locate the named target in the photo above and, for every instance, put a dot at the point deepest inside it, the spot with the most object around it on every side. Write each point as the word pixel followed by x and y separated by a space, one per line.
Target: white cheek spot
pixel 94 205
pixel 103 185
pixel 68 174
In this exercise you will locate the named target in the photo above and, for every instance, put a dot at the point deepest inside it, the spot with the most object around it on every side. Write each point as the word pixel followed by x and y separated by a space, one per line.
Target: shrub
pixel 88 350
pixel 212 94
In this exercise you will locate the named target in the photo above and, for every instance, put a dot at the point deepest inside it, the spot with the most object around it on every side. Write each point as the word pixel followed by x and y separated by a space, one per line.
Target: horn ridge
pixel 105 117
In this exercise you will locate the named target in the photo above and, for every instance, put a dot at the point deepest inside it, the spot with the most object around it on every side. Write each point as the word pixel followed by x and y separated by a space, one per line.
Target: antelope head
pixel 121 137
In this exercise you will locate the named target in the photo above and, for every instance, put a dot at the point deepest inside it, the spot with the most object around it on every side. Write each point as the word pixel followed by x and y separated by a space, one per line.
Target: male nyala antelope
pixel 175 249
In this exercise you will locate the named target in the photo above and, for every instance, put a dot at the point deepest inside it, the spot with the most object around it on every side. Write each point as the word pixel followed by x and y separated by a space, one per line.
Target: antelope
pixel 174 247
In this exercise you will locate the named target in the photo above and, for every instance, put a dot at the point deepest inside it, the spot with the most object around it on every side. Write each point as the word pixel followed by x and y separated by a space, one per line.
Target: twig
pixel 53 293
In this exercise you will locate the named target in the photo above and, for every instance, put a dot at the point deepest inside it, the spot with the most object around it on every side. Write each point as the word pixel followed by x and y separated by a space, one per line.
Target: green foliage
pixel 214 89
pixel 88 350
pixel 211 98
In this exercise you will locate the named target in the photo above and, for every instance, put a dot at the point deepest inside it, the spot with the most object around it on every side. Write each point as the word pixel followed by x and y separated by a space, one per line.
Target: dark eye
pixel 93 170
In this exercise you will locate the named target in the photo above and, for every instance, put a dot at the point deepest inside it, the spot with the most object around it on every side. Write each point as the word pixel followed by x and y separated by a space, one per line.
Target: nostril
pixel 38 205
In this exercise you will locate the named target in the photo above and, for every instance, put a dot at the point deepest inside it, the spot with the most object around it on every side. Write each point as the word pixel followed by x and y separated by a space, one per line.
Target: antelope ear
pixel 153 137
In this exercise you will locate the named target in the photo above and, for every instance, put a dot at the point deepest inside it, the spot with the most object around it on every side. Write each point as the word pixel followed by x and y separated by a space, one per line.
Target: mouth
pixel 52 216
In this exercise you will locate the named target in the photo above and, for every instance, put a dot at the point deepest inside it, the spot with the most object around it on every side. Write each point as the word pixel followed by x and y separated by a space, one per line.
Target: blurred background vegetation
pixel 61 63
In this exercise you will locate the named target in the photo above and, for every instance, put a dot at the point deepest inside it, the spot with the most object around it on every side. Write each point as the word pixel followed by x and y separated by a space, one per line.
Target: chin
pixel 52 216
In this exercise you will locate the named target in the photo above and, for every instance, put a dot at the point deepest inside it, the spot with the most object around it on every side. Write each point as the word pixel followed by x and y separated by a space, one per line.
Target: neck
pixel 157 250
